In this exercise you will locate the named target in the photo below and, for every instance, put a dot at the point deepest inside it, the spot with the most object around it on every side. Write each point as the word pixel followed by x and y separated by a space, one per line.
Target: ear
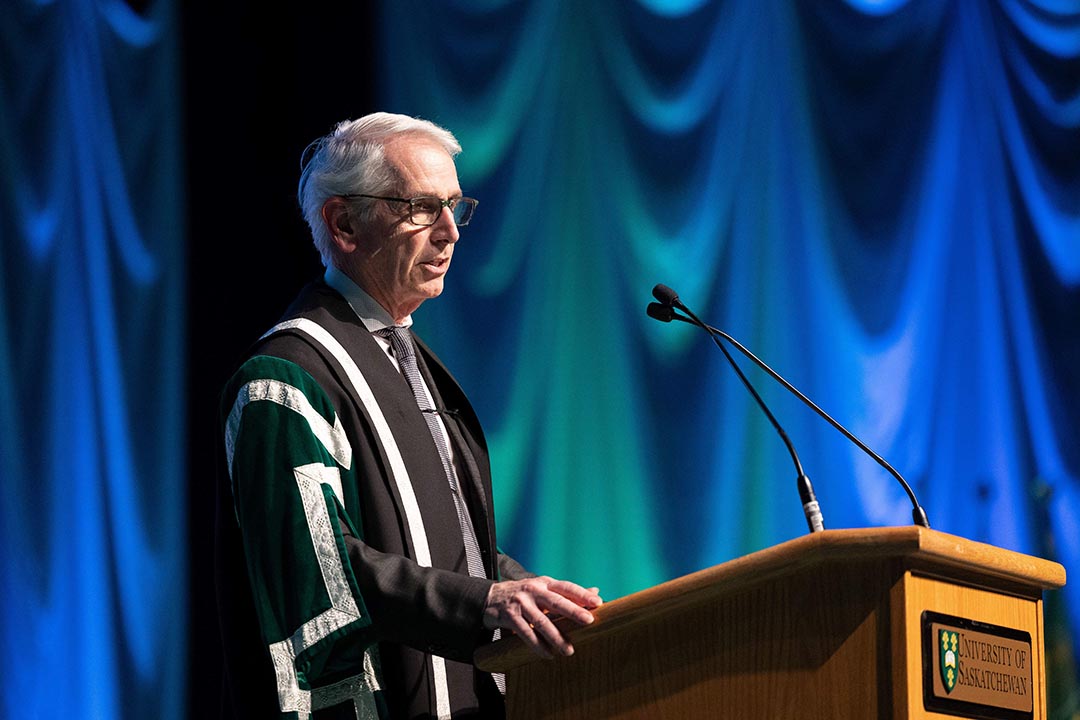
pixel 341 224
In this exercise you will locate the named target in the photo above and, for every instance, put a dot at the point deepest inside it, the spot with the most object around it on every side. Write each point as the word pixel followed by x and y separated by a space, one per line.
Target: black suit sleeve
pixel 511 569
pixel 432 610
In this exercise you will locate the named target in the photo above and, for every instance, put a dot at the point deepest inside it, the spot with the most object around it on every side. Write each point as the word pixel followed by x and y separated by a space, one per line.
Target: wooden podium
pixel 838 624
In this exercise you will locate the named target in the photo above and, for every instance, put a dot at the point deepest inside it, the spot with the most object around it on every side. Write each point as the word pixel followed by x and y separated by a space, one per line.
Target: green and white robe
pixel 345 529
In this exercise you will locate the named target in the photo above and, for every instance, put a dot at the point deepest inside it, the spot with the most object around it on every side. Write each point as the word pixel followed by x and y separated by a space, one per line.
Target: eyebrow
pixel 429 193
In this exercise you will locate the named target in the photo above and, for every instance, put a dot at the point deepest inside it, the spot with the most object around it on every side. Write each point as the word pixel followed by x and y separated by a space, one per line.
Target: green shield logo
pixel 949 641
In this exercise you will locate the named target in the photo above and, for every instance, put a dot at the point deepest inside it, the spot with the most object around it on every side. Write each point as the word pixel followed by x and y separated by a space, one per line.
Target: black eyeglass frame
pixel 448 203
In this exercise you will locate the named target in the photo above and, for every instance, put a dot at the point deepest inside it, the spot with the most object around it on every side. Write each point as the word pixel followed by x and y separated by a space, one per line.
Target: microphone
pixel 665 312
pixel 666 296
pixel 670 300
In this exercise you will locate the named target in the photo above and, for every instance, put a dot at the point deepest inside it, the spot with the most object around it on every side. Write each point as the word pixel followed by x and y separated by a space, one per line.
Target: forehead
pixel 423 165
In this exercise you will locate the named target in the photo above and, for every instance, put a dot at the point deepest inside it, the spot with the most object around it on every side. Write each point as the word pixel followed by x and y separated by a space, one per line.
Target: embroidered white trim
pixel 359 689
pixel 343 610
pixel 413 520
pixel 331 436
pixel 309 479
pixel 290 697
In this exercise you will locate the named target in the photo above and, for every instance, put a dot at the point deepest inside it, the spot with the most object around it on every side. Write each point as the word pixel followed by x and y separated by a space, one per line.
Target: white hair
pixel 351 160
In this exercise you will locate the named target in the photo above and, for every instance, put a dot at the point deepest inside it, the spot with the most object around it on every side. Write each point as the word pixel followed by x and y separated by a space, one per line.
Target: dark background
pixel 261 83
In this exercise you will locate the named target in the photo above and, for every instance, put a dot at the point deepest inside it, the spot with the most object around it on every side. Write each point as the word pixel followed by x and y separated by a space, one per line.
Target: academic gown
pixel 343 587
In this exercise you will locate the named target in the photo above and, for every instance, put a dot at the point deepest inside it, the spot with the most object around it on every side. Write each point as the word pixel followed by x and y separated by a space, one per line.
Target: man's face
pixel 398 263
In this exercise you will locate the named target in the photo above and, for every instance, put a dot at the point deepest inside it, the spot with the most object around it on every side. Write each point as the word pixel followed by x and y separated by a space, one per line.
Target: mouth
pixel 437 265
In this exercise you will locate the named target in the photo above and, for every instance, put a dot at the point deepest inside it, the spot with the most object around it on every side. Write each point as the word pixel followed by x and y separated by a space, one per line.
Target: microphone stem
pixel 811 508
pixel 761 404
pixel 669 302
pixel 917 512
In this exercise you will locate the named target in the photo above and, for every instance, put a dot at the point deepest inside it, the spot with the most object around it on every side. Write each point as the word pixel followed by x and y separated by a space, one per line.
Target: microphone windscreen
pixel 665 295
pixel 663 313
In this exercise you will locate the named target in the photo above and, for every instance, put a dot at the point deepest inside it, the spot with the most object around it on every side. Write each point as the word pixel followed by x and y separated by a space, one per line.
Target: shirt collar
pixel 373 315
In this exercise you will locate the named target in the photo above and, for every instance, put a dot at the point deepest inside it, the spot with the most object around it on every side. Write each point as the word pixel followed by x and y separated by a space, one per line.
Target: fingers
pixel 586 598
pixel 558 604
pixel 527 607
pixel 541 635
pixel 513 605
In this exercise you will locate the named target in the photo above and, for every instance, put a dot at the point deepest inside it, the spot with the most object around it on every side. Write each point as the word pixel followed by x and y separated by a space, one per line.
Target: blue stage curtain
pixel 92 565
pixel 881 198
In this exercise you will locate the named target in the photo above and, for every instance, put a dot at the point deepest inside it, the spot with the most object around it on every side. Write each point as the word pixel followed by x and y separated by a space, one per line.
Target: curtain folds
pixel 92 562
pixel 880 199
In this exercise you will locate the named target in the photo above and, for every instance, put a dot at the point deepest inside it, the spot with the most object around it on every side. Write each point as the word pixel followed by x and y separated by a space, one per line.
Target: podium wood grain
pixel 823 626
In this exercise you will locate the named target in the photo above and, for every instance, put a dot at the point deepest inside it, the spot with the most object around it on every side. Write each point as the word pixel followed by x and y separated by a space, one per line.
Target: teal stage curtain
pixel 92 454
pixel 882 199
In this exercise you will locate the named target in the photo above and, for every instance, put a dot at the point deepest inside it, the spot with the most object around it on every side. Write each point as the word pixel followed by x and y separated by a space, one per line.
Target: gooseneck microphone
pixel 665 311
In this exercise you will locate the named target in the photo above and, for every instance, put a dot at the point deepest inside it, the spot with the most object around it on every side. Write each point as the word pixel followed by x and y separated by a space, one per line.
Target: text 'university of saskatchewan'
pixel 987 666
pixel 992 653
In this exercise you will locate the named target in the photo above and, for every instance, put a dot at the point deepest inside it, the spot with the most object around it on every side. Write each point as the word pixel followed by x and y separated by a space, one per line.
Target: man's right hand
pixel 528 606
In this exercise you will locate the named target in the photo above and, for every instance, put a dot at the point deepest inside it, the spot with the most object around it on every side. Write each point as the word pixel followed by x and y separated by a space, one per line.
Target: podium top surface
pixel 911 547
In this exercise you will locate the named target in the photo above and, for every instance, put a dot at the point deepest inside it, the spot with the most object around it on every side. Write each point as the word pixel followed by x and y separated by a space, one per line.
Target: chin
pixel 421 294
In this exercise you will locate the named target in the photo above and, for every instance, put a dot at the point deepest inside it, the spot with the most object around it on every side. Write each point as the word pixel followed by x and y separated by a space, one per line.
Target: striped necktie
pixel 402 345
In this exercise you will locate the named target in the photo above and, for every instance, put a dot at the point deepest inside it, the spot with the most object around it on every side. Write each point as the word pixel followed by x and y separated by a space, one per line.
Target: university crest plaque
pixel 976 670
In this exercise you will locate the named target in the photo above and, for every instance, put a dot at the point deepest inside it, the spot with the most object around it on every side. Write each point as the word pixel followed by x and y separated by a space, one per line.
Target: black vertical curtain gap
pixel 261 82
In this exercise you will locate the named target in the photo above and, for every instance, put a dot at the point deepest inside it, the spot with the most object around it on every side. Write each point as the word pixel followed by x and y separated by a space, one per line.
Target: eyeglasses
pixel 425 210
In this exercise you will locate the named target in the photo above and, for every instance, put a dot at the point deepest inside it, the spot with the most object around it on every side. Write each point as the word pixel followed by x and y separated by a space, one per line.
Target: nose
pixel 446 219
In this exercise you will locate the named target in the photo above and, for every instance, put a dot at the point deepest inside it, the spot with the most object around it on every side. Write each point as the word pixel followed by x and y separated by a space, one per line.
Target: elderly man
pixel 358 569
